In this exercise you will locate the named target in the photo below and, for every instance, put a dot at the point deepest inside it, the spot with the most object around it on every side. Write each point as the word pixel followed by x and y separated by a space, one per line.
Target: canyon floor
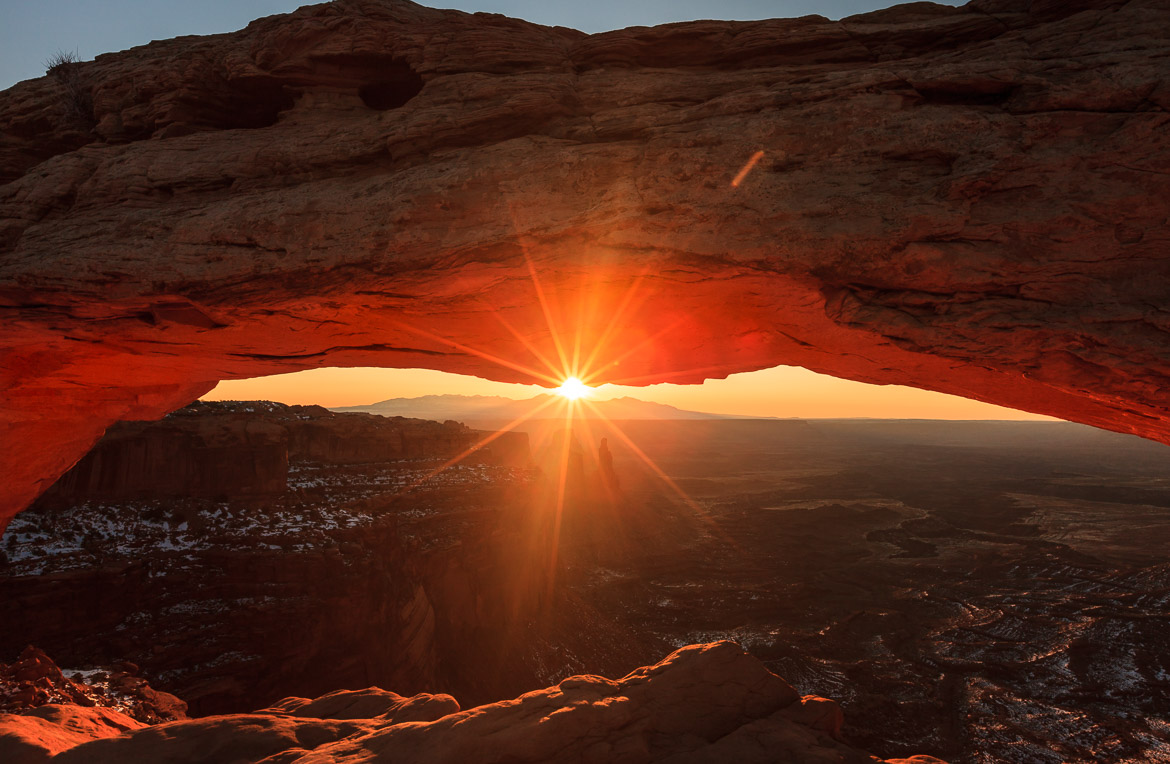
pixel 984 592
pixel 977 591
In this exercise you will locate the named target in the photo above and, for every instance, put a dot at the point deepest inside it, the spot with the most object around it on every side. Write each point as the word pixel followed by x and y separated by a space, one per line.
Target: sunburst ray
pixel 478 445
pixel 548 318
pixel 703 515
pixel 480 354
pixel 616 320
pixel 637 348
pixel 527 343
pixel 663 376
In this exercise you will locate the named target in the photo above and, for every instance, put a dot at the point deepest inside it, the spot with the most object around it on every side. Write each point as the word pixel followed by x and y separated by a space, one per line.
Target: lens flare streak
pixel 747 168
pixel 477 446
pixel 480 354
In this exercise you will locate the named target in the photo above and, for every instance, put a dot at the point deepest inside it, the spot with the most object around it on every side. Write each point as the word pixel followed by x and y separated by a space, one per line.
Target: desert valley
pixel 948 583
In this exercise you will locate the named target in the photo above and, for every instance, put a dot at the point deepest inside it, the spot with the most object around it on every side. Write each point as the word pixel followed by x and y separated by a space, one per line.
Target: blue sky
pixel 33 30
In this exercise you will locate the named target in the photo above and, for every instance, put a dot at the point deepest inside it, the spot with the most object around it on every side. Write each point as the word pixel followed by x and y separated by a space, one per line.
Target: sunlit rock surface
pixel 972 200
pixel 703 703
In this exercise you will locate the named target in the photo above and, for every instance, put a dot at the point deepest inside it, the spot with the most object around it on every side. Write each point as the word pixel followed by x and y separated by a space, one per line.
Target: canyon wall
pixel 244 449
pixel 971 200
pixel 180 457
pixel 360 565
pixel 228 627
pixel 231 605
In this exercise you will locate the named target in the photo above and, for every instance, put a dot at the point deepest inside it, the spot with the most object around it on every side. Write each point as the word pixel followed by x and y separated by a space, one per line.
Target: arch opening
pixel 749 529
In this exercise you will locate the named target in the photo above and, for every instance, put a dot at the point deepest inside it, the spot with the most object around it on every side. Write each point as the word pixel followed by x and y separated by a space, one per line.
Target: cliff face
pixel 240 450
pixel 235 607
pixel 386 571
pixel 180 457
pixel 317 435
pixel 972 200
pixel 703 703
pixel 227 625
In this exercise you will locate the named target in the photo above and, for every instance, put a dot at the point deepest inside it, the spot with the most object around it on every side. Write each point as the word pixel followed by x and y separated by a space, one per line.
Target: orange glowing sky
pixel 785 391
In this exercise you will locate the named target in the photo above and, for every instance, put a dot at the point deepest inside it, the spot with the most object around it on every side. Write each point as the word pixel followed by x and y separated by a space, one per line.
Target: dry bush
pixel 77 103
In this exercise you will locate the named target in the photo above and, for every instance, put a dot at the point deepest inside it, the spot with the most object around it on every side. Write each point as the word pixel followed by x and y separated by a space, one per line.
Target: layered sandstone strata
pixel 241 449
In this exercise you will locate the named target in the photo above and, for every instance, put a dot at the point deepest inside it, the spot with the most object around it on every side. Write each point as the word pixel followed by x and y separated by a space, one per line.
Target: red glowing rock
pixel 703 703
pixel 971 200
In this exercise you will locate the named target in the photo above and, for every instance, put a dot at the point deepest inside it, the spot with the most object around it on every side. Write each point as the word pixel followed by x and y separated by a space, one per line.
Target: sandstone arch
pixel 969 200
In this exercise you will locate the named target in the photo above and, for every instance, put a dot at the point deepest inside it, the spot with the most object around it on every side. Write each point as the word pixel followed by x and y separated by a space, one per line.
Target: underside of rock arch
pixel 971 200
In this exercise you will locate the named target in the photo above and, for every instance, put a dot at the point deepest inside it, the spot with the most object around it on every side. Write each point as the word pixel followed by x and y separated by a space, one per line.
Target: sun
pixel 573 388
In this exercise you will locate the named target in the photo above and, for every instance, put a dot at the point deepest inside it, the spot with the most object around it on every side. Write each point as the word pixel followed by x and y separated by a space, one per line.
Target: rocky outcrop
pixel 391 572
pixel 972 200
pixel 34 681
pixel 703 703
pixel 228 623
pixel 244 449
pixel 179 457
pixel 609 479
pixel 318 435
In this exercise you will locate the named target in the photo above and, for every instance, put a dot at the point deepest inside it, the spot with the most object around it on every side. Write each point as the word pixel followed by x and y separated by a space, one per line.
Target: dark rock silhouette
pixel 609 478
pixel 179 457
pixel 244 449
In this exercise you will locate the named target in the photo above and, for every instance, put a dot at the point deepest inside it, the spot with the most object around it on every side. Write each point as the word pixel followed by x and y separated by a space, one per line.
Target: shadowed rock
pixel 244 449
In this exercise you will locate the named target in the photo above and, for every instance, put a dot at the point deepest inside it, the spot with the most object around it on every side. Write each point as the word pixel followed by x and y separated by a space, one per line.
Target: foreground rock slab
pixel 703 703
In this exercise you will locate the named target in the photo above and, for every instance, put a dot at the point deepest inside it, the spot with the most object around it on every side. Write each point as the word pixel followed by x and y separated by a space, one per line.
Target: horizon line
pixel 709 414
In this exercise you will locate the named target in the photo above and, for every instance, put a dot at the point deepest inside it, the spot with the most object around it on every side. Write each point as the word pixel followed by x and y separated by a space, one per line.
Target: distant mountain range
pixel 494 409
